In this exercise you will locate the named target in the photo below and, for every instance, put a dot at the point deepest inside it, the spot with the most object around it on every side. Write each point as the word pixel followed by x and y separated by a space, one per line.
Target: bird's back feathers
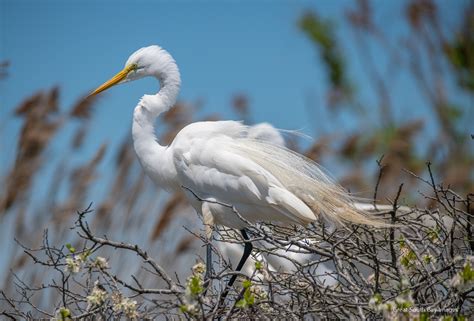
pixel 221 162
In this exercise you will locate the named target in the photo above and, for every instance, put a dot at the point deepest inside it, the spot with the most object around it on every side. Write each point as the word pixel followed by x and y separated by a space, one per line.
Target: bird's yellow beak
pixel 114 80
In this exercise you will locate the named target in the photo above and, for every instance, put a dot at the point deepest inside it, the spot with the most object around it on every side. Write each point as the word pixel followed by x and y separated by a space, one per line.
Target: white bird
pixel 278 260
pixel 229 177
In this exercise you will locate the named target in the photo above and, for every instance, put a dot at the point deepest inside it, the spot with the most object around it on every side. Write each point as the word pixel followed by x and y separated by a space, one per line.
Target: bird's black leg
pixel 207 276
pixel 247 250
pixel 209 260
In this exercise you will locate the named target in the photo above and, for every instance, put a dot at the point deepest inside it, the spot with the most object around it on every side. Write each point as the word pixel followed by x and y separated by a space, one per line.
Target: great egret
pixel 228 177
pixel 278 260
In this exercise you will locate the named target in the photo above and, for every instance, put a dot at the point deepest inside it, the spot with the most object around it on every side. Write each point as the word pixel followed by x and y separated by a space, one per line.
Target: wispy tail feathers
pixel 307 181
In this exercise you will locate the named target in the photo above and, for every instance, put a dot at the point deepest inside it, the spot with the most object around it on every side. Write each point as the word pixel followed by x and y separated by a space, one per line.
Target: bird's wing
pixel 219 161
pixel 212 172
pixel 304 179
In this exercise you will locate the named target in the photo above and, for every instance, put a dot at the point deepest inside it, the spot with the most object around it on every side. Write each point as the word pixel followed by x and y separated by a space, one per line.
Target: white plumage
pixel 280 260
pixel 226 167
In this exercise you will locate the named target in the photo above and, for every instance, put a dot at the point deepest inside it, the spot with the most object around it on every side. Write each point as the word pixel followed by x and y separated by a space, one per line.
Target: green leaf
pixel 467 273
pixel 64 313
pixel 241 304
pixel 251 300
pixel 427 258
pixel 246 284
pixel 249 297
pixel 247 301
pixel 424 316
pixel 402 241
pixel 378 298
pixel 70 248
pixel 408 259
pixel 195 285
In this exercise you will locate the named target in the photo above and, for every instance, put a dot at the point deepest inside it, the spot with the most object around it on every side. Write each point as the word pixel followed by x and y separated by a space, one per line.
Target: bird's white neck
pixel 156 159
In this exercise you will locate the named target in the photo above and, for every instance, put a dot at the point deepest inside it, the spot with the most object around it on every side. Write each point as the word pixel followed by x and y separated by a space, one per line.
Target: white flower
pixel 191 308
pixel 371 278
pixel 97 296
pixel 389 310
pixel 125 305
pixel 129 307
pixel 199 268
pixel 464 279
pixel 470 259
pixel 455 281
pixel 259 292
pixel 101 263
pixel 400 300
pixel 405 282
pixel 73 264
pixel 375 302
pixel 428 258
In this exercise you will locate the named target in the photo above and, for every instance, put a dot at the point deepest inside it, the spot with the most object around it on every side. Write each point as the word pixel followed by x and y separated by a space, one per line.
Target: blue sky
pixel 222 48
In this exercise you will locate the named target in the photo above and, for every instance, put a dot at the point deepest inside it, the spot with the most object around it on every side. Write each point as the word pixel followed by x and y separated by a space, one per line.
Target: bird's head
pixel 147 61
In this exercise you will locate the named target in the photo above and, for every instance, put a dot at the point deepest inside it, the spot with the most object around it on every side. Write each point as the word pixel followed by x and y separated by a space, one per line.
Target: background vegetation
pixel 388 156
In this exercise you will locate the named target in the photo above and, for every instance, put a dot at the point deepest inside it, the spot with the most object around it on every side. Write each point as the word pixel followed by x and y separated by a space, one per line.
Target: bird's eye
pixel 136 67
pixel 132 67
